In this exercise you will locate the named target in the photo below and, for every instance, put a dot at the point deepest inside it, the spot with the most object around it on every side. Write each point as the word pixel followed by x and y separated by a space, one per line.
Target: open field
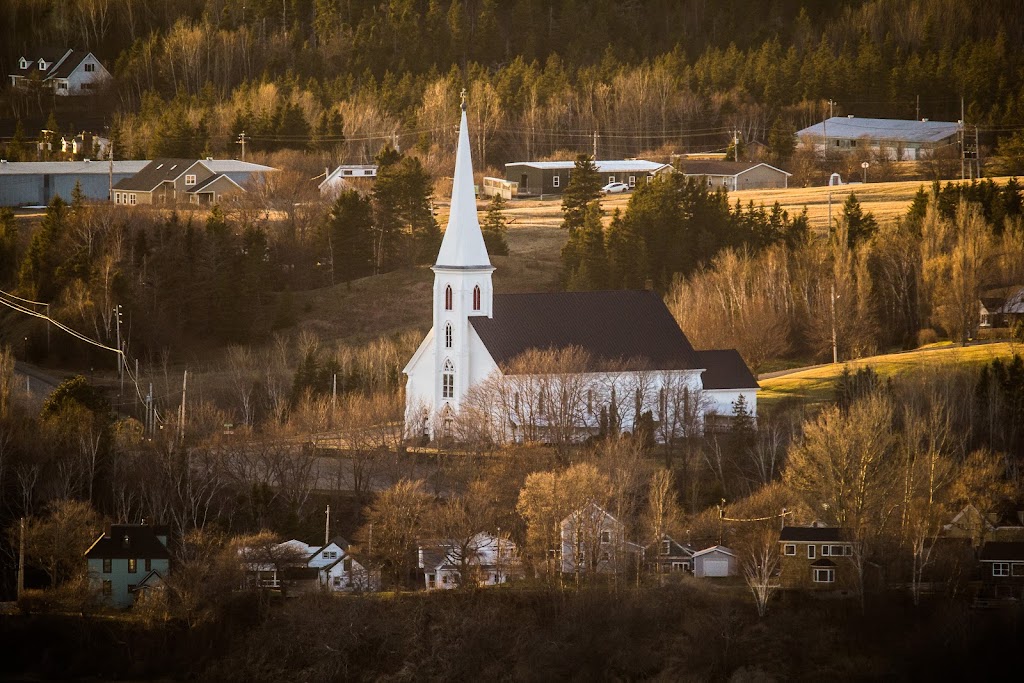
pixel 817 384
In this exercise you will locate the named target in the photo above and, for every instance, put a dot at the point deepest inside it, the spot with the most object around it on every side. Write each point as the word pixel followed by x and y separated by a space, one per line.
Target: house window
pixel 680 566
pixel 131 199
pixel 810 552
pixel 849 550
pixel 448 298
pixel 190 180
pixel 444 580
pixel 89 67
pixel 666 547
pixel 606 537
pixel 23 63
pixel 824 575
pixel 555 181
pixel 330 555
pixel 824 551
pixel 337 582
pixel 1018 569
pixel 448 380
pixel 347 564
pixel 347 171
pixel 132 587
pixel 632 181
pixel 85 86
pixel 836 550
pixel 448 335
pixel 148 564
pixel 108 588
pixel 133 566
pixel 789 549
pixel 431 580
pixel 611 179
pixel 42 65
pixel 1000 569
pixel 552 554
pixel 107 565
pixel 62 85
pixel 476 298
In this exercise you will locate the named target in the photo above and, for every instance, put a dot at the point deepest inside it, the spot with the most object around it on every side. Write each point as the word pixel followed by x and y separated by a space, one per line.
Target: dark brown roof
pixel 717 167
pixel 811 533
pixel 1002 551
pixel 125 541
pixel 154 173
pixel 725 370
pixel 48 54
pixel 823 563
pixel 625 326
pixel 69 64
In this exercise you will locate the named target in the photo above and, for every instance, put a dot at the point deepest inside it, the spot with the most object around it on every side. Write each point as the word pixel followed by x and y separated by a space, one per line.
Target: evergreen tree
pixel 17 148
pixel 918 209
pixel 584 187
pixel 781 142
pixel 8 245
pixel 38 274
pixel 584 262
pixel 860 225
pixel 406 231
pixel 349 233
pixel 495 227
pixel 627 260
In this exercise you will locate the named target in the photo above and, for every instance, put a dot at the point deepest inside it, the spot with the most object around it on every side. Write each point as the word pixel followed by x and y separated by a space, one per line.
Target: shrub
pixel 927 336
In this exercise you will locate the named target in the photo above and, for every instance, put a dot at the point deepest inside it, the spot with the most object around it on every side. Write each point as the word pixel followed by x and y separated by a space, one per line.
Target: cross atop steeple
pixel 463 99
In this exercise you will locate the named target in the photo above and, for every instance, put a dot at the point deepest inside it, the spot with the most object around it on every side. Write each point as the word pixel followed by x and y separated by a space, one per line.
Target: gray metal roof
pixel 98 166
pixel 852 127
pixel 235 166
pixel 724 168
pixel 616 166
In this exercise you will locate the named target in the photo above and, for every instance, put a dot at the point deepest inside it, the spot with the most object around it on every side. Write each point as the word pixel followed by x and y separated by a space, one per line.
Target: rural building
pixel 900 140
pixel 668 555
pixel 725 378
pixel 490 561
pixel 1002 569
pixel 816 558
pixel 552 177
pixel 593 541
pixel 66 72
pixel 36 183
pixel 297 567
pixel 506 189
pixel 716 561
pixel 736 175
pixel 640 361
pixel 126 560
pixel 85 145
pixel 1002 311
pixel 173 181
pixel 335 181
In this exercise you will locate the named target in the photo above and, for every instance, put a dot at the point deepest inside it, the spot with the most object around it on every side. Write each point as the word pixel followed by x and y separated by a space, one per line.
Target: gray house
pixel 736 175
pixel 36 183
pixel 172 181
pixel 898 138
pixel 552 177
pixel 128 559
pixel 66 72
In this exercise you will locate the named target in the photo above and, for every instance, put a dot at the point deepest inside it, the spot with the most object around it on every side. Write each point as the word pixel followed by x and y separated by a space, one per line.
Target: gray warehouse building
pixel 36 183
pixel 552 177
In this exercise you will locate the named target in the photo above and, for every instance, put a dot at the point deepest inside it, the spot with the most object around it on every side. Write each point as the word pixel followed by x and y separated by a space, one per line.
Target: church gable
pixel 632 330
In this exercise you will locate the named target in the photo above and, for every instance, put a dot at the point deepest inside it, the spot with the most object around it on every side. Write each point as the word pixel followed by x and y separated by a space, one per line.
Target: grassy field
pixel 817 384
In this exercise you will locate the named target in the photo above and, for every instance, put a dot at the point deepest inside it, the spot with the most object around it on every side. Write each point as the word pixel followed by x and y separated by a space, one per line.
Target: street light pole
pixel 835 349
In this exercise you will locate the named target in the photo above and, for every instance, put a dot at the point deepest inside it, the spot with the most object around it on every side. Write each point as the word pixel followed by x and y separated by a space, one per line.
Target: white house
pixel 332 566
pixel 335 181
pixel 899 139
pixel 594 541
pixel 715 561
pixel 490 561
pixel 66 72
pixel 86 145
pixel 639 360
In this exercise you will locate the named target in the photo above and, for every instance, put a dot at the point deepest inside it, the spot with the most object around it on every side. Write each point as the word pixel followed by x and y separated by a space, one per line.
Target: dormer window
pixel 42 65
pixel 23 64
pixel 476 298
pixel 448 298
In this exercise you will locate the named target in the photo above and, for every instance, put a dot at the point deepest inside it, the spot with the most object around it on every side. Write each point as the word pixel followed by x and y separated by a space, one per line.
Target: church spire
pixel 463 243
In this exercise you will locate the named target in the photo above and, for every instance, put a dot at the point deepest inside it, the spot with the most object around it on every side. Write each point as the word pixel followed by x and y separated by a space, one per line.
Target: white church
pixel 639 361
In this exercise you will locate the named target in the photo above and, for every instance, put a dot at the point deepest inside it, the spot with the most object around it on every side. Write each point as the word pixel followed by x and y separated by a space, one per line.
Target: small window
pixel 448 335
pixel 666 547
pixel 810 552
pixel 789 549
pixel 133 566
pixel 131 587
pixel 108 588
pixel 190 180
pixel 836 551
pixel 448 298
pixel 515 401
pixel 107 568
pixel 131 199
pixel 555 181
pixel 448 380
pixel 632 181
pixel 23 63
pixel 476 298
pixel 1000 569
pixel 680 566
pixel 606 537
pixel 824 551
pixel 611 179
pixel 444 579
pixel 90 67
pixel 824 575
pixel 849 550
pixel 346 564
pixel 347 171
pixel 149 564
pixel 337 582
pixel 1018 569
pixel 42 65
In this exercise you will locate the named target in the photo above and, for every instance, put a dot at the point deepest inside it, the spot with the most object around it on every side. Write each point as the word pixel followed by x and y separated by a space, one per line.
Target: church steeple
pixel 463 243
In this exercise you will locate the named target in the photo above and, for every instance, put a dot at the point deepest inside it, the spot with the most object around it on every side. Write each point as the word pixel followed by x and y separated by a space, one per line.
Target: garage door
pixel 716 567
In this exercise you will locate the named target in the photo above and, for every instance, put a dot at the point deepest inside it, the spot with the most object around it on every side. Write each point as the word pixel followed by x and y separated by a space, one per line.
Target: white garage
pixel 716 561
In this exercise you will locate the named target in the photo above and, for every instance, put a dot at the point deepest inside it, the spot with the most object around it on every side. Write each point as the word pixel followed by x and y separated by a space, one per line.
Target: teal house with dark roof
pixel 127 560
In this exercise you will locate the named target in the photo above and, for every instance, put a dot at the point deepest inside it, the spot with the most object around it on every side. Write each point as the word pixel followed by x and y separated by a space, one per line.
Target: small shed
pixel 716 561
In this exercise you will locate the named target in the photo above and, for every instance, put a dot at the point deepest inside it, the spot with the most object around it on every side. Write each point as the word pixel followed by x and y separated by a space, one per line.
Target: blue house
pixel 127 559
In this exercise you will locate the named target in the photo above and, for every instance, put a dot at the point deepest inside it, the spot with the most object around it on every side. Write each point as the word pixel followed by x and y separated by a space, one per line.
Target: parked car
pixel 615 188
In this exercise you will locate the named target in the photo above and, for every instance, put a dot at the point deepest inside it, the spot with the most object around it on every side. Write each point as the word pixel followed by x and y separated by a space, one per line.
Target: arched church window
pixel 448 335
pixel 476 298
pixel 448 298
pixel 448 380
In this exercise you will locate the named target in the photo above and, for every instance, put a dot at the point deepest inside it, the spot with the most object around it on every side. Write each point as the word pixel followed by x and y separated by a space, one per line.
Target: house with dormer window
pixel 668 555
pixel 66 72
pixel 192 181
pixel 126 560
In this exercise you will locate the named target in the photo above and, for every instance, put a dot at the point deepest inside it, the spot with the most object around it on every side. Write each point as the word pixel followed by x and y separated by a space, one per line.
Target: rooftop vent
pixel 125 541
pixel 924 120
pixel 159 166
pixel 209 158
pixel 849 116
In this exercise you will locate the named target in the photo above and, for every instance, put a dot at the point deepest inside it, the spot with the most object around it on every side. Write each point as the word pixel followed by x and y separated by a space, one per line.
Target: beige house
pixel 179 181
pixel 736 175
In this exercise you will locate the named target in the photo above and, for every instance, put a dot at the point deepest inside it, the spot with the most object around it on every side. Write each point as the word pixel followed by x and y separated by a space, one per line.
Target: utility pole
pixel 120 359
pixel 334 393
pixel 149 411
pixel 735 146
pixel 241 141
pixel 110 173
pixel 594 157
pixel 181 411
pixel 21 557
pixel 963 140
pixel 327 529
pixel 835 348
pixel 917 109
pixel 497 561
pixel 977 162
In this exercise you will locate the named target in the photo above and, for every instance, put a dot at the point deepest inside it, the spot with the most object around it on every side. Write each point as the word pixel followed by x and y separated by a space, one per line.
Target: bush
pixel 927 336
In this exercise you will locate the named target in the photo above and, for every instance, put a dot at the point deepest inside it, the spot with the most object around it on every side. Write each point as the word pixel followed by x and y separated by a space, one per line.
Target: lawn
pixel 816 384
